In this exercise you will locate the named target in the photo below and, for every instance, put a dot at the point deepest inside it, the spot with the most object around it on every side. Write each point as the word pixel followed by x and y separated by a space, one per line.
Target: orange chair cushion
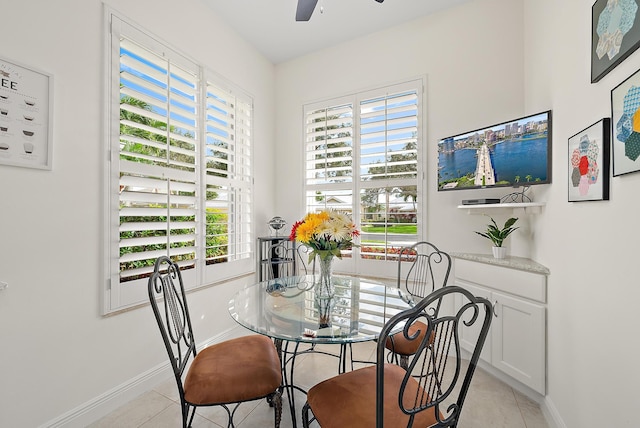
pixel 236 370
pixel 349 400
pixel 402 346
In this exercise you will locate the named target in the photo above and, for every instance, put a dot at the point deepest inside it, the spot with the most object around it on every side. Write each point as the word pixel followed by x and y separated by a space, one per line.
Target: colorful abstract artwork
pixel 615 34
pixel 625 114
pixel 589 163
pixel 614 22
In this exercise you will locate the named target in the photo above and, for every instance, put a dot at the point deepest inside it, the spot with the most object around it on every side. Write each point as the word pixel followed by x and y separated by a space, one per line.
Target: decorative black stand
pixel 275 253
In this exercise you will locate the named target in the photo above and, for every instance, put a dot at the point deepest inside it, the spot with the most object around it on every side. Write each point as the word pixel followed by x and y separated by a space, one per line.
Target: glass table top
pixel 288 309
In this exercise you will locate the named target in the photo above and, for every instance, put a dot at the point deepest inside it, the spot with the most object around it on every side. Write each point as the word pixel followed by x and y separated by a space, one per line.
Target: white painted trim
pixel 102 405
pixel 511 382
pixel 549 411
pixel 551 414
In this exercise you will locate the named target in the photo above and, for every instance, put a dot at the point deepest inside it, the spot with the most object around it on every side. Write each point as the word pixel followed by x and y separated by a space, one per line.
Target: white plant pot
pixel 499 252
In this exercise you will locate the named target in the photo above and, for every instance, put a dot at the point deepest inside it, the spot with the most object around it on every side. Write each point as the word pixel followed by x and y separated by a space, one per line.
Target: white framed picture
pixel 26 99
pixel 589 163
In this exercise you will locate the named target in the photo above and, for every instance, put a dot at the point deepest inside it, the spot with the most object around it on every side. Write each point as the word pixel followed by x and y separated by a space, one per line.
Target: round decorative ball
pixel 277 223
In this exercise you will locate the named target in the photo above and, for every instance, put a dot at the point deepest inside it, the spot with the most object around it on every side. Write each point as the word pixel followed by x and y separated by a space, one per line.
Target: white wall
pixel 590 247
pixel 58 352
pixel 487 61
pixel 484 62
pixel 474 77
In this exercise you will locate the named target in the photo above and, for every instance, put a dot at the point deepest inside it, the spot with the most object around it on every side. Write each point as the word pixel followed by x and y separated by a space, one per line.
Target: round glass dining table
pixel 291 312
pixel 289 309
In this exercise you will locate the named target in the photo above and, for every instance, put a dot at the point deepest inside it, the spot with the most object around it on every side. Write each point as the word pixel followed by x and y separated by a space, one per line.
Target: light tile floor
pixel 489 403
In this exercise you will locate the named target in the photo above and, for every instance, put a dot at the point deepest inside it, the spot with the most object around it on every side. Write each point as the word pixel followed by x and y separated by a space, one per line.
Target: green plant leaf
pixel 497 235
pixel 510 222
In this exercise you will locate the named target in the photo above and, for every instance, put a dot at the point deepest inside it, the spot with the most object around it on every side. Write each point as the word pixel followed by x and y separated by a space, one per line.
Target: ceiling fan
pixel 306 7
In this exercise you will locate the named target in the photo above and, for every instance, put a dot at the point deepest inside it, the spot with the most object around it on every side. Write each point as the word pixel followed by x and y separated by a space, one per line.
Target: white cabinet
pixel 518 340
pixel 469 335
pixel 516 344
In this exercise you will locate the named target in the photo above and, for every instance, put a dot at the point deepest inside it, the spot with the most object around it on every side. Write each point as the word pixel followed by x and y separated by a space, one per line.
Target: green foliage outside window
pixel 216 238
pixel 145 146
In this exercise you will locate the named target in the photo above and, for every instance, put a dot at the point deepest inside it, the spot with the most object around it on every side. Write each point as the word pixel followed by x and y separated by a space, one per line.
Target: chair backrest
pixel 307 259
pixel 287 259
pixel 169 303
pixel 422 268
pixel 438 366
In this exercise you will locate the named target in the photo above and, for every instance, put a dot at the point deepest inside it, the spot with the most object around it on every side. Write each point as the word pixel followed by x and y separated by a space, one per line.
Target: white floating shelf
pixel 521 208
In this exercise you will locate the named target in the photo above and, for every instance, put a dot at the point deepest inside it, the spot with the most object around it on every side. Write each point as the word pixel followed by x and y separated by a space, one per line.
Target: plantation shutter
pixel 242 232
pixel 180 168
pixel 158 154
pixel 228 175
pixel 388 136
pixel 329 157
pixel 389 165
pixel 362 158
pixel 329 144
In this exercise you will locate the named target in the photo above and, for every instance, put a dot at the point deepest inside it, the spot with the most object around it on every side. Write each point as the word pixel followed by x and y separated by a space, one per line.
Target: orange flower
pixel 326 232
pixel 307 229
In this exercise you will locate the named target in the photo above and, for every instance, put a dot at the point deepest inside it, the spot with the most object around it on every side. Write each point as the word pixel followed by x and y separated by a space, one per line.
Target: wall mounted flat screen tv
pixel 513 153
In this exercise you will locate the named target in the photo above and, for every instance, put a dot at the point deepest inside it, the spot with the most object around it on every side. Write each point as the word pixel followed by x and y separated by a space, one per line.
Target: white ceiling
pixel 270 25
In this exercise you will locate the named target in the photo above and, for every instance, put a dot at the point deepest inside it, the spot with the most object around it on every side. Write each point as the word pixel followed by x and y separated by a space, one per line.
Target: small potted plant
pixel 498 235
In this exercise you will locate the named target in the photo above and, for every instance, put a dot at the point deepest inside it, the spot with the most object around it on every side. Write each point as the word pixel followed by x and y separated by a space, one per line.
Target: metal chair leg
pixel 305 416
pixel 404 362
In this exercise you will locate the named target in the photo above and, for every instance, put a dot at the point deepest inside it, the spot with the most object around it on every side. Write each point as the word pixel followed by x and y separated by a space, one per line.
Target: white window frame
pixel 238 178
pixel 356 264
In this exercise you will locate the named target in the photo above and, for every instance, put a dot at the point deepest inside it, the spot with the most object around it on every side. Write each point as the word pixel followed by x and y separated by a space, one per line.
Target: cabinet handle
pixel 495 314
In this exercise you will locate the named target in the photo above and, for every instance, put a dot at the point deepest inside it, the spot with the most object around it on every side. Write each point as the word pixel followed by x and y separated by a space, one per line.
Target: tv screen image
pixel 513 153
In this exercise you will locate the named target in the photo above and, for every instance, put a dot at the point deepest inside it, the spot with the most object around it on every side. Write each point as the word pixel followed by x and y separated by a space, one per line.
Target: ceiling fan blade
pixel 305 9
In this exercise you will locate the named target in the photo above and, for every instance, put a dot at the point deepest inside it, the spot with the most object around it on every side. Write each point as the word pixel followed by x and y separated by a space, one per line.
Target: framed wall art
pixel 26 99
pixel 625 120
pixel 589 163
pixel 615 34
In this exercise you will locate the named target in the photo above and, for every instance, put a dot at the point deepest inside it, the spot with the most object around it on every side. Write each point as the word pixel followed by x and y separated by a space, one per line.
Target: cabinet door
pixel 518 342
pixel 469 336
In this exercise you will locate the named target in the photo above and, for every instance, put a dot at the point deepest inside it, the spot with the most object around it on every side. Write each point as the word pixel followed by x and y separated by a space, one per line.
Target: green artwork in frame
pixel 615 34
pixel 625 121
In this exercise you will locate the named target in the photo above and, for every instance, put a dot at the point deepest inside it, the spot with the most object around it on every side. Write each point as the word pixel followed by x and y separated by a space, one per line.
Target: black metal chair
pixel 231 372
pixel 287 259
pixel 431 392
pixel 427 269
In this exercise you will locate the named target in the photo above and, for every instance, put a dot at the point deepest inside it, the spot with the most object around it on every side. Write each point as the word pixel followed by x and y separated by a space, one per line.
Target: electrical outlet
pixel 3 285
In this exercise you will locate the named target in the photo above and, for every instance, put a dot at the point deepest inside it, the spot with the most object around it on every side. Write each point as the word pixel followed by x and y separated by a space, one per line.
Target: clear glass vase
pixel 323 282
pixel 324 289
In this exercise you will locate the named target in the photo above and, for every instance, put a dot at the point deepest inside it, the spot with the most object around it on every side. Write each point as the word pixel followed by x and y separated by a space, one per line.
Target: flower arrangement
pixel 327 232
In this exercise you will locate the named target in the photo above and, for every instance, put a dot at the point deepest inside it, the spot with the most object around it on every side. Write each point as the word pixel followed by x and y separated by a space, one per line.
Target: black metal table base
pixel 289 351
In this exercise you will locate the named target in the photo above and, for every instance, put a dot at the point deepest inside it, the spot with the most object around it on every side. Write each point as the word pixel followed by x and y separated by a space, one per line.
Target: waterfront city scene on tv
pixel 513 153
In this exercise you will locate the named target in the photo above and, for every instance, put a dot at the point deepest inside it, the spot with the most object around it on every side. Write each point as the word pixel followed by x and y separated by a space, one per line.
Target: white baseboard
pixel 549 411
pixel 551 414
pixel 100 406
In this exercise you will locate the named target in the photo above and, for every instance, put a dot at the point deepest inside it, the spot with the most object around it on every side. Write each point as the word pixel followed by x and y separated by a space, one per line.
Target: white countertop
pixel 519 263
